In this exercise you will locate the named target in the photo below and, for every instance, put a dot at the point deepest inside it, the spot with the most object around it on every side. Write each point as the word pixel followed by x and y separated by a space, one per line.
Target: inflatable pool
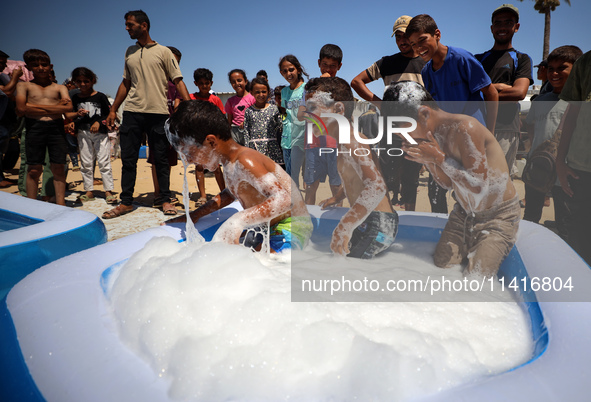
pixel 33 234
pixel 60 313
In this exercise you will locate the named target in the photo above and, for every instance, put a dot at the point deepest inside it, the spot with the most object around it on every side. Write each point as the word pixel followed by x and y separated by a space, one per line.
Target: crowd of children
pixel 261 141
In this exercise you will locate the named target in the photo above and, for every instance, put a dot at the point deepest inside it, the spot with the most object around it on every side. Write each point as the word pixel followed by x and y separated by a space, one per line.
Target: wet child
pixel 203 79
pixel 370 225
pixel 43 103
pixel 200 132
pixel 91 109
pixel 236 105
pixel 463 156
pixel 262 122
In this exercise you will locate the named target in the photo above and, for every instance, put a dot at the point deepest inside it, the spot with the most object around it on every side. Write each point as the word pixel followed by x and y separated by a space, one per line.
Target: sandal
pixel 84 198
pixel 117 211
pixel 158 204
pixel 111 199
pixel 169 209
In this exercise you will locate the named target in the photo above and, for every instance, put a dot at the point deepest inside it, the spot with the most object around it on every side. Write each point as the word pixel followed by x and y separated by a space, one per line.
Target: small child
pixel 236 105
pixel 319 165
pixel 370 225
pixel 330 60
pixel 91 109
pixel 262 121
pixel 200 131
pixel 203 79
pixel 43 103
pixel 462 155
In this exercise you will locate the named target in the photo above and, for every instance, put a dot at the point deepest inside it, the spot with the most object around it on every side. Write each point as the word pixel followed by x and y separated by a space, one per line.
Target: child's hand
pixel 95 127
pixel 329 202
pixel 64 101
pixel 17 72
pixel 82 112
pixel 70 129
pixel 340 240
pixel 426 151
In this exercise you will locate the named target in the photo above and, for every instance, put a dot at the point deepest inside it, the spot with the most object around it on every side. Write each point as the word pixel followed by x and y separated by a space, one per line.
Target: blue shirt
pixel 456 85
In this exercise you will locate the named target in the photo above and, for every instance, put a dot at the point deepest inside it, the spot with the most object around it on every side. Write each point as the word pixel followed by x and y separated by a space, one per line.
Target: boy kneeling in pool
pixel 462 155
pixel 201 132
pixel 370 225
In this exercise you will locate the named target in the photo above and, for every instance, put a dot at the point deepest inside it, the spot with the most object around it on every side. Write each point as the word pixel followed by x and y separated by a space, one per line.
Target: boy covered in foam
pixel 370 225
pixel 465 157
pixel 201 133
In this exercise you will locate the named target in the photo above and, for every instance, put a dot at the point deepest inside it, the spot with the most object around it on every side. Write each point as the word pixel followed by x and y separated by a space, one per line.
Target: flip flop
pixel 169 209
pixel 84 198
pixel 111 199
pixel 117 211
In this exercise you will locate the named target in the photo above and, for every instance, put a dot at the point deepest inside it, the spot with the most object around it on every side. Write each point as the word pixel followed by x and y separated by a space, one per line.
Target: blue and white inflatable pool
pixel 33 234
pixel 60 313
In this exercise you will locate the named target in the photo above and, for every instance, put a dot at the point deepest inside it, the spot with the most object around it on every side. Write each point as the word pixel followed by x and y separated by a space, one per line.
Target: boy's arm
pixel 359 84
pixel 277 200
pixel 568 122
pixel 119 98
pixel 374 190
pixel 220 201
pixel 513 93
pixel 491 97
pixel 10 88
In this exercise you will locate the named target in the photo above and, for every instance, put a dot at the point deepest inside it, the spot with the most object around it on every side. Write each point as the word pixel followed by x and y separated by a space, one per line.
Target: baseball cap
pixel 543 63
pixel 401 24
pixel 507 7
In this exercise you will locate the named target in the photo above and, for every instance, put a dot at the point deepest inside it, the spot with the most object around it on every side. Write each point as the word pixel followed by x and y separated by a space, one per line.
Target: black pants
pixel 131 131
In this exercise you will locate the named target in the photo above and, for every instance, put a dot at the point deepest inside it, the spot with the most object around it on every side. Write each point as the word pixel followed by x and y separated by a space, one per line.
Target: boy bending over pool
pixel 200 131
pixel 370 225
pixel 465 157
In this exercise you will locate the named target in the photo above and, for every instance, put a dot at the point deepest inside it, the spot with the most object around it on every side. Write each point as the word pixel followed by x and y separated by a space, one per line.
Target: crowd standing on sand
pixel 466 134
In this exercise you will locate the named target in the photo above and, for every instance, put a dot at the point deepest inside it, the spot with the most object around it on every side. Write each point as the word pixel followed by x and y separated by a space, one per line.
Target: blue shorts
pixel 290 233
pixel 318 166
pixel 374 235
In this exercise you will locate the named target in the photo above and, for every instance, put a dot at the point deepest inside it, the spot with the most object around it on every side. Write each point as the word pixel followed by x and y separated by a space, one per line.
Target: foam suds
pixel 217 321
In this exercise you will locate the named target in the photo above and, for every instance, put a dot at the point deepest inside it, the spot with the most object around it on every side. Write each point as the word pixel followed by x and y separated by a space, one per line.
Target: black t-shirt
pixel 98 107
pixel 506 66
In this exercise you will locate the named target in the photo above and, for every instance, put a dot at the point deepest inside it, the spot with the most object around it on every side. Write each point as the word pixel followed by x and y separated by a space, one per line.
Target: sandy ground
pixel 145 216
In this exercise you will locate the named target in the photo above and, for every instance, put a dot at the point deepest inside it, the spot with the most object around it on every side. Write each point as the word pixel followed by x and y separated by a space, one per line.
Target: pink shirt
pixel 236 106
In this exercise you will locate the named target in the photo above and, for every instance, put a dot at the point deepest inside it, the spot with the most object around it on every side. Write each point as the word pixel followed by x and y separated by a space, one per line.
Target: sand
pixel 145 215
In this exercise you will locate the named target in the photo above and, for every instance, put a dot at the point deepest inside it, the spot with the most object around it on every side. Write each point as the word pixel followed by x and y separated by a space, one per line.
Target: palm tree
pixel 546 7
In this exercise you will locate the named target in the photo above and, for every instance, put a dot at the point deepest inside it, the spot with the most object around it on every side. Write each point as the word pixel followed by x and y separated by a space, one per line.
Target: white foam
pixel 220 324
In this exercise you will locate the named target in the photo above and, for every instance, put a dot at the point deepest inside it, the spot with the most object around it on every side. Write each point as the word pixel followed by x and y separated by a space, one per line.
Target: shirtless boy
pixel 43 103
pixel 200 131
pixel 370 225
pixel 465 157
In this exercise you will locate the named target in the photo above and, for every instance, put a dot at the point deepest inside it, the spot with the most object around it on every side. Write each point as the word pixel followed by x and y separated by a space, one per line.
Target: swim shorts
pixel 290 233
pixel 374 235
pixel 42 136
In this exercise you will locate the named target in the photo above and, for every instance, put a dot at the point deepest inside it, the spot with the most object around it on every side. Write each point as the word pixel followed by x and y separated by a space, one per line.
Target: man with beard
pixel 511 74
pixel 148 67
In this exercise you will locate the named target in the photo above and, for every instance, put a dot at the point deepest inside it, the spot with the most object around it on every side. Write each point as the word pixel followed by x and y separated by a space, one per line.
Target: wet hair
pixel 202 73
pixel 403 98
pixel 277 90
pixel 140 17
pixel 33 55
pixel 330 51
pixel 567 53
pixel 422 23
pixel 260 81
pixel 84 72
pixel 196 119
pixel 338 88
pixel 262 73
pixel 176 52
pixel 290 58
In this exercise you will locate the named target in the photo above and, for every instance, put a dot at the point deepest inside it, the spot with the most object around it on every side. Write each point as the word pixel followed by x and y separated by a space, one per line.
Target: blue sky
pixel 255 35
